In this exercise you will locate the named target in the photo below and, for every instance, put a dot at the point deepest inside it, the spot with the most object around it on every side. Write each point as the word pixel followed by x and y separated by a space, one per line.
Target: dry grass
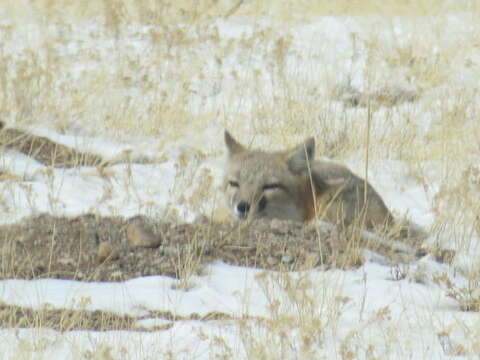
pixel 116 13
pixel 46 151
pixel 62 320
pixel 59 79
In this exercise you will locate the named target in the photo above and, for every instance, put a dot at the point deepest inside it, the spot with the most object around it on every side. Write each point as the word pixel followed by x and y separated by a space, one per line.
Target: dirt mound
pixel 92 248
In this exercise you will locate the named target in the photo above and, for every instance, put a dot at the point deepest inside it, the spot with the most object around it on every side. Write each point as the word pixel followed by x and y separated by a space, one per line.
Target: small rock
pixel 141 237
pixel 106 251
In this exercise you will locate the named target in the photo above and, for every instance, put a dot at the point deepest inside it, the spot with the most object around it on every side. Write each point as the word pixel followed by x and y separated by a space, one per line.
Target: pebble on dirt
pixel 139 236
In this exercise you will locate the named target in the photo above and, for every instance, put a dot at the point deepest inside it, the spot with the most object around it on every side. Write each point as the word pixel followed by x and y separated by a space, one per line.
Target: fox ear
pixel 233 146
pixel 323 184
pixel 300 157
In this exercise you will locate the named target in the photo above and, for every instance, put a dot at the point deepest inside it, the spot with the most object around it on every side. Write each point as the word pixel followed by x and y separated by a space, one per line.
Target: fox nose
pixel 262 204
pixel 242 208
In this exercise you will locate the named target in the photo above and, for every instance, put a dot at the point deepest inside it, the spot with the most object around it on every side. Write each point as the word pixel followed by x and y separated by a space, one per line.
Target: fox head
pixel 269 185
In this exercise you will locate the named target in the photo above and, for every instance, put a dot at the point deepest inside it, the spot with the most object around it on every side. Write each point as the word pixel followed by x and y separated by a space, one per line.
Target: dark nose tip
pixel 262 204
pixel 243 207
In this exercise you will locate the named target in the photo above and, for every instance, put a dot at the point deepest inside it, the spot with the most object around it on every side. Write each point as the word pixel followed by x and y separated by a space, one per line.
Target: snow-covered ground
pixel 272 84
pixel 363 311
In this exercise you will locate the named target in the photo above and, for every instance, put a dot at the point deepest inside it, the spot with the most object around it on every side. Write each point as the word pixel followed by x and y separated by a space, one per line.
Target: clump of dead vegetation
pixel 44 150
pixel 62 319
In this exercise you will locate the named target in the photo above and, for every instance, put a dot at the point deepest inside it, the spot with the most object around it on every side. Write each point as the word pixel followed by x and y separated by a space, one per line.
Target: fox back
pixel 290 185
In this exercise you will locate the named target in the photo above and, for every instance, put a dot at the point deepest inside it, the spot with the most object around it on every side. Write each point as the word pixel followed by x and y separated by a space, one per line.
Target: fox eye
pixel 233 184
pixel 271 186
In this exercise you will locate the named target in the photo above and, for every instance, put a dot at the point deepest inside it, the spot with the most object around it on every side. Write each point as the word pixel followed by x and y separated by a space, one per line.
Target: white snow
pixel 370 302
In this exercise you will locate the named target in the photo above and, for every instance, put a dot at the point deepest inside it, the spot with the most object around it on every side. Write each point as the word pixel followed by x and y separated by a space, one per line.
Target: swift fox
pixel 291 185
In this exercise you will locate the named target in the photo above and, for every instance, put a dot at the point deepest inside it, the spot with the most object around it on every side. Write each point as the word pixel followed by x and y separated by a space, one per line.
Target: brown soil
pixel 63 320
pixel 45 150
pixel 68 248
pixel 13 316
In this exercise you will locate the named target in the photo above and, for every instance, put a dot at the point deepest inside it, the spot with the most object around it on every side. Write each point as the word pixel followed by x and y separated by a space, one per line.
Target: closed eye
pixel 233 184
pixel 272 186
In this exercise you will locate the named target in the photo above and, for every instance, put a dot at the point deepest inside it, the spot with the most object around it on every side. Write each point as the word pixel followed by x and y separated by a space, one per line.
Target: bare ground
pixel 68 248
